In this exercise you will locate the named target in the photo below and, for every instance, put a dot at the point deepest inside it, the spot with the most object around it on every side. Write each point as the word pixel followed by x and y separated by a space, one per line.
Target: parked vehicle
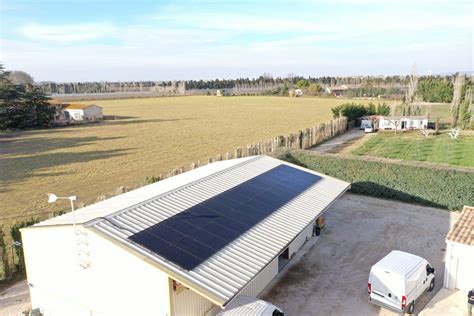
pixel 369 129
pixel 398 280
pixel 250 306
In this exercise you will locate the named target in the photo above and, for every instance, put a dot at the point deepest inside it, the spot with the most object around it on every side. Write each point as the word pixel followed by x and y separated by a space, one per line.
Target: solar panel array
pixel 194 235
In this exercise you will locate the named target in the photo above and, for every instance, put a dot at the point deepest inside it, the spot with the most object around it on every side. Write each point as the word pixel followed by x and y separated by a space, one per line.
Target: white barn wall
pixel 189 303
pixel 299 241
pixel 459 261
pixel 76 115
pixel 117 282
pixel 260 282
pixel 93 113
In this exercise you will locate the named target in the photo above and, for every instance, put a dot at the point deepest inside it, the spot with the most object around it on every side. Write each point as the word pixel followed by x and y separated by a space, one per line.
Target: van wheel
pixel 411 308
pixel 432 285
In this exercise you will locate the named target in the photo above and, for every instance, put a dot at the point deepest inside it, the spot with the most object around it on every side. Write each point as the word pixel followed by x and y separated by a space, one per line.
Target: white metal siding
pixel 117 282
pixel 75 115
pixel 261 280
pixel 458 266
pixel 189 303
pixel 301 239
pixel 93 113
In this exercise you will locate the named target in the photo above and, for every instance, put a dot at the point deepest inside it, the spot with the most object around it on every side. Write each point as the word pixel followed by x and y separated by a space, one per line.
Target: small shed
pixel 459 263
pixel 83 112
pixel 186 245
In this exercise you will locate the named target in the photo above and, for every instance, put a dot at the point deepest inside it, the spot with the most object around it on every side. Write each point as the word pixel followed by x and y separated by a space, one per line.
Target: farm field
pixel 413 146
pixel 150 136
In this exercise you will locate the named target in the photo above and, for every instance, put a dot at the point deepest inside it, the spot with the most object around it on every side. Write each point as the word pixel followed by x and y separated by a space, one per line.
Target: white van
pixel 250 306
pixel 398 279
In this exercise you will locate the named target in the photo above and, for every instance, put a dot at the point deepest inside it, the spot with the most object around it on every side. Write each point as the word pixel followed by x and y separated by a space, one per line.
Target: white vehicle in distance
pixel 250 306
pixel 398 280
pixel 369 129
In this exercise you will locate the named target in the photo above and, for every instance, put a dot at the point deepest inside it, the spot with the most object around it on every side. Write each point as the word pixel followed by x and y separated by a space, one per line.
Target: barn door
pixel 463 270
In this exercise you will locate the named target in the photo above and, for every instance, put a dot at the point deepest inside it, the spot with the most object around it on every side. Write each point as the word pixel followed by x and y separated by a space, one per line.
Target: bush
pixel 409 182
pixel 351 110
pixel 436 90
pixel 16 236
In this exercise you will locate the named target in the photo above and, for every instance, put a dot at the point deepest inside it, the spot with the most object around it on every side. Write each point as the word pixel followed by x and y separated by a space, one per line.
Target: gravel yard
pixel 331 279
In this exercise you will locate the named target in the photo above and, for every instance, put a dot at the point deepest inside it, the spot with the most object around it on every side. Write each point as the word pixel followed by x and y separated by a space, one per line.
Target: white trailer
pixel 398 280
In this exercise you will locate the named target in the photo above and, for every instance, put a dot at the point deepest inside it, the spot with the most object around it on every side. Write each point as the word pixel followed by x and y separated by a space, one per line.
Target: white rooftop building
pixel 187 245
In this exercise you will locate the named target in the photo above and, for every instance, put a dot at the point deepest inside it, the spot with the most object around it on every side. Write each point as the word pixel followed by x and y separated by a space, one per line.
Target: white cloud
pixel 178 43
pixel 68 33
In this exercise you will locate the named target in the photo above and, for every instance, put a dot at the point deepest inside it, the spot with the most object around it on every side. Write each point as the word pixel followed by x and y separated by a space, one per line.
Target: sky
pixel 112 40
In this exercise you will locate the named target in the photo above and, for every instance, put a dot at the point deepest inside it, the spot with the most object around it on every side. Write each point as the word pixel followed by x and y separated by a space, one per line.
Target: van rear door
pixel 387 288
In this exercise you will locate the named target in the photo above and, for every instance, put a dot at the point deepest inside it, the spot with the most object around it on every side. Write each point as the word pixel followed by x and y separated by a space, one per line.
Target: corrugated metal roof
pixel 224 274
pixel 128 199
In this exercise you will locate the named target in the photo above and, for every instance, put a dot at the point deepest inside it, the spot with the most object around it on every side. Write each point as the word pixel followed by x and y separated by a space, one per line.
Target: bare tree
pixel 427 132
pixel 412 85
pixel 458 84
pixel 396 123
pixel 267 76
pixel 20 77
pixel 454 133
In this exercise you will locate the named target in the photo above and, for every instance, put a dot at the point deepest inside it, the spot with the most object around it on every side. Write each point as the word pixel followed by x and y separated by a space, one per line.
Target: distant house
pixel 403 122
pixel 337 90
pixel 75 112
pixel 83 112
pixel 222 92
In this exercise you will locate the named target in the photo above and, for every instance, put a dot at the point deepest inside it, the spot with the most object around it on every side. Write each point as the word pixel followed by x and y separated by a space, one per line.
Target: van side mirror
pixel 432 270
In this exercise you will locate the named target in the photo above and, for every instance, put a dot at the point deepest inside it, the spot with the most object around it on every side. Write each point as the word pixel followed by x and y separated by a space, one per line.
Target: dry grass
pixel 153 136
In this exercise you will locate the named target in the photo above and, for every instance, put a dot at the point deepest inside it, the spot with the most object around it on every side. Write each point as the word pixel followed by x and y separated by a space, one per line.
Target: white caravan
pixel 398 280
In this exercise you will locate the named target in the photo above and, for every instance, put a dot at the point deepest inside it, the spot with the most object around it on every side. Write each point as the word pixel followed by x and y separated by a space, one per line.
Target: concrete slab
pixel 331 279
pixel 447 302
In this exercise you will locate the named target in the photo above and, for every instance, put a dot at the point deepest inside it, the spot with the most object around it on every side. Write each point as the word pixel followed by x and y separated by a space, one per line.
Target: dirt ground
pixel 337 143
pixel 331 279
pixel 148 137
pixel 15 299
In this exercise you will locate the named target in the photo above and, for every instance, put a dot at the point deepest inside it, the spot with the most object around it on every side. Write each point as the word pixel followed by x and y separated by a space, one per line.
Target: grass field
pixel 413 146
pixel 152 136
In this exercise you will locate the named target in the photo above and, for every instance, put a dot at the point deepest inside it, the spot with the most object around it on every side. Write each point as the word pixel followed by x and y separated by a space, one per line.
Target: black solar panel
pixel 192 236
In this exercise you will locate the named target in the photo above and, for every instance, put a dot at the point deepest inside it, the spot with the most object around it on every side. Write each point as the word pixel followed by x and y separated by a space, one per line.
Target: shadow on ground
pixel 21 168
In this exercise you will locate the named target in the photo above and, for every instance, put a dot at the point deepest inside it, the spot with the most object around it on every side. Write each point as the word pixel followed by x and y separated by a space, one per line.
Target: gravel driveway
pixel 334 144
pixel 331 279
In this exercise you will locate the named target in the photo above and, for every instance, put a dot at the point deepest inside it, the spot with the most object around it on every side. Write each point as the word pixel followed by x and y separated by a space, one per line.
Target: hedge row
pixel 441 187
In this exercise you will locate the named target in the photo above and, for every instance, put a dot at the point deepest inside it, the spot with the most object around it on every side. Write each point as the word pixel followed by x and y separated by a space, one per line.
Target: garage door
pixel 464 275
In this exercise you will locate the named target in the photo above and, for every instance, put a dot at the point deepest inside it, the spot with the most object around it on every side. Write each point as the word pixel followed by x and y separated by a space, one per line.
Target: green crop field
pixel 413 146
pixel 149 137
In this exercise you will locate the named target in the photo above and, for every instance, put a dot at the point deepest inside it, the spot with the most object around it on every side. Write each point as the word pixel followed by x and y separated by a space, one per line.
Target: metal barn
pixel 187 245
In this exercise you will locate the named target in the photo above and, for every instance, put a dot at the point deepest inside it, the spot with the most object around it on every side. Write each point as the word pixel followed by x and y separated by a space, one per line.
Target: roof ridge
pixel 161 195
